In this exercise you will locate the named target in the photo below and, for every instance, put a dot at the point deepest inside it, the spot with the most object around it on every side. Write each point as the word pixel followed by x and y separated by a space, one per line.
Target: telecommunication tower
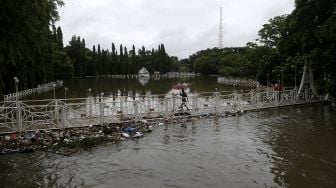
pixel 220 33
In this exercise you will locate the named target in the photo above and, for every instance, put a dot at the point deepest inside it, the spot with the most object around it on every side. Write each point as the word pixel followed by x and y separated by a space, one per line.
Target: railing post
pixel 166 108
pixel 56 111
pixel 101 105
pixel 121 106
pixel 174 103
pixel 216 102
pixel 239 99
pixel 63 116
pixel 293 95
pixel 18 116
pixel 136 112
pixel 149 103
pixel 90 106
pixel 276 101
pixel 194 104
pixel 258 100
pixel 234 100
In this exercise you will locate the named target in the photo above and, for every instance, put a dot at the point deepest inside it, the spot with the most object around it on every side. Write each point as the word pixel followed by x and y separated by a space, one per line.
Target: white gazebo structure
pixel 143 73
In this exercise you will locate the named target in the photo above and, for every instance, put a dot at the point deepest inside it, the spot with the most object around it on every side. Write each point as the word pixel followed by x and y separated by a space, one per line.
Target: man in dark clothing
pixel 184 99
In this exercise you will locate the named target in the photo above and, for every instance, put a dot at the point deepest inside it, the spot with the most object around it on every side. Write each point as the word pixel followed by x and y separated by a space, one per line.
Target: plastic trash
pixel 130 129
pixel 138 135
pixel 126 135
pixel 160 123
pixel 29 135
pixel 148 129
pixel 7 137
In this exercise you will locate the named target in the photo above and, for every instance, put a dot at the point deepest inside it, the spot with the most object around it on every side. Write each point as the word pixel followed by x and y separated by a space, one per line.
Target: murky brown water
pixel 287 147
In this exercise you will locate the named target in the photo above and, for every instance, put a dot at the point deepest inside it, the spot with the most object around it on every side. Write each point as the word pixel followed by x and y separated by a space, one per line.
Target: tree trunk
pixel 304 80
pixel 304 75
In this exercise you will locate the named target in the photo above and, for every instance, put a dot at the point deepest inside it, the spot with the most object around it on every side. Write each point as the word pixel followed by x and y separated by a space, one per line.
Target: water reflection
pixel 79 88
pixel 303 142
pixel 216 124
pixel 143 81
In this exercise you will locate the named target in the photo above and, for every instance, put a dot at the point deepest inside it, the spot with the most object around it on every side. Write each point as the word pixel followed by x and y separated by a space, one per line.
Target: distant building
pixel 143 73
pixel 156 75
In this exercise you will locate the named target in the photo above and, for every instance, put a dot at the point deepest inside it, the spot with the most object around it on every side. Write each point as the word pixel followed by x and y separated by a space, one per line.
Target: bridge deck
pixel 16 116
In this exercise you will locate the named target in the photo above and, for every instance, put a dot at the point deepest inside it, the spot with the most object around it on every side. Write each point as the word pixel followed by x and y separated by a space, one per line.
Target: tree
pixel 305 37
pixel 271 32
pixel 26 49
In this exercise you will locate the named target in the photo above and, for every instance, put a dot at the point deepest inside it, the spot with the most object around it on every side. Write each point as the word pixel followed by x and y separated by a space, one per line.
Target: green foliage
pixel 31 48
pixel 104 62
pixel 206 65
pixel 28 48
pixel 271 32
pixel 232 65
pixel 308 34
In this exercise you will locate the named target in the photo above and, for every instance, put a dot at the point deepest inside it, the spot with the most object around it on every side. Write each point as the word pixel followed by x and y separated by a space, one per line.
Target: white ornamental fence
pixel 17 116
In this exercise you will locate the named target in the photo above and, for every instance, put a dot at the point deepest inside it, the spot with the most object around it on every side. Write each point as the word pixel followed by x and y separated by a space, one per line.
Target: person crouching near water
pixel 184 99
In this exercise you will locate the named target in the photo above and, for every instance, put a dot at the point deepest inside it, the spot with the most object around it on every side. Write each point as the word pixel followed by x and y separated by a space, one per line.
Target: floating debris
pixel 126 135
pixel 138 135
pixel 70 140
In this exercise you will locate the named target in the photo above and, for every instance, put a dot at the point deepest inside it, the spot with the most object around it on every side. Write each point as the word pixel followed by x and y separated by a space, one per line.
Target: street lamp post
pixel 101 108
pixel 90 103
pixel 18 112
pixel 16 80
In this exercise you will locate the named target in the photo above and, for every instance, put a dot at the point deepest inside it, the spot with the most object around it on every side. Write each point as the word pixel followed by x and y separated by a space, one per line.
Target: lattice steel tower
pixel 220 32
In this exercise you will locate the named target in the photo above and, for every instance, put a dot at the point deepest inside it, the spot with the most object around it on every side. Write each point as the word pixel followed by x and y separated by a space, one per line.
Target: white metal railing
pixel 60 113
pixel 237 81
pixel 166 75
pixel 39 89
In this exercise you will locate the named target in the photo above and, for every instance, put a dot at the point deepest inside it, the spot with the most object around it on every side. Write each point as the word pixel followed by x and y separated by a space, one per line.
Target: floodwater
pixel 284 147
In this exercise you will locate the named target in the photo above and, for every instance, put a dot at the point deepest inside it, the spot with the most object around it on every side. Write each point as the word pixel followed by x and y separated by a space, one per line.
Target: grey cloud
pixel 184 26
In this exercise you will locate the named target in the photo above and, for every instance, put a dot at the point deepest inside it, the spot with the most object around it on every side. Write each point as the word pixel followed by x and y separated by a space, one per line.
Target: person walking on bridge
pixel 184 99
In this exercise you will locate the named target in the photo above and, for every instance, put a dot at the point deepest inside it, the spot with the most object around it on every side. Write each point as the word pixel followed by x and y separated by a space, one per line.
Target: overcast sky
pixel 183 26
